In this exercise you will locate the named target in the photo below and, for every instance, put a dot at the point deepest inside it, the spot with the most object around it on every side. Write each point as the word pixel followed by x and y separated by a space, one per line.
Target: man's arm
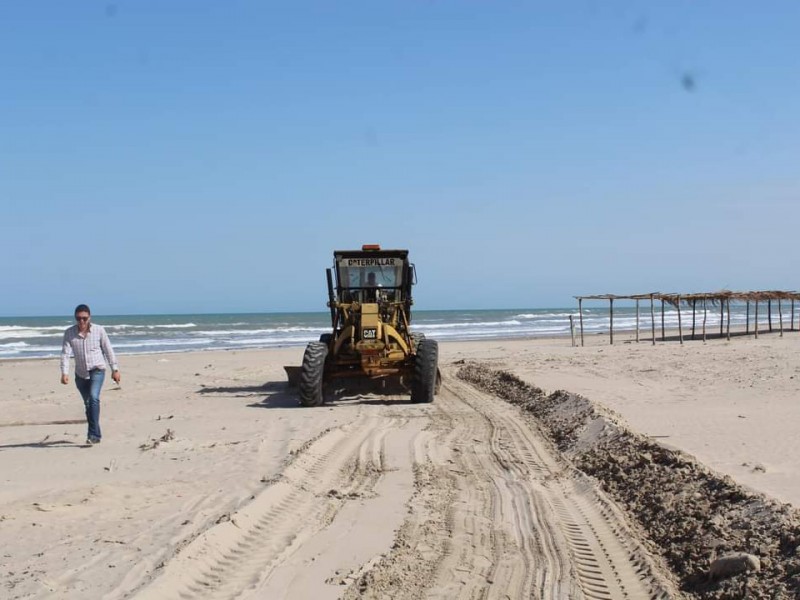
pixel 65 348
pixel 108 352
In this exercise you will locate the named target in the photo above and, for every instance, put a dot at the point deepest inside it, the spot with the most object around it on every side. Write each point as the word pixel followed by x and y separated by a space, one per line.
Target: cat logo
pixel 370 333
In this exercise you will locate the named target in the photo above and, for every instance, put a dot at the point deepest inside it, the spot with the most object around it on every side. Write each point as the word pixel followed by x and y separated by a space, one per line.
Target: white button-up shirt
pixel 90 350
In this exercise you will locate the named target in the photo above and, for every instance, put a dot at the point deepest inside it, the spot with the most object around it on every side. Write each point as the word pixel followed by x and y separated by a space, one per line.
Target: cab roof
pixel 362 253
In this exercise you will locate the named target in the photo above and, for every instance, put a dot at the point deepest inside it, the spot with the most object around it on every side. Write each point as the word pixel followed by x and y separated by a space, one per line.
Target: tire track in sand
pixel 527 524
pixel 234 558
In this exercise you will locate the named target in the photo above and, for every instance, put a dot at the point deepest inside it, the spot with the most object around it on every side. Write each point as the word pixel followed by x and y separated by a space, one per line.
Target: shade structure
pixel 721 299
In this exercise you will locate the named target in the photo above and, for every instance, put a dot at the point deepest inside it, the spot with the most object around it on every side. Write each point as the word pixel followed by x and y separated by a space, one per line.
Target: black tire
pixel 416 338
pixel 311 374
pixel 426 367
pixel 326 338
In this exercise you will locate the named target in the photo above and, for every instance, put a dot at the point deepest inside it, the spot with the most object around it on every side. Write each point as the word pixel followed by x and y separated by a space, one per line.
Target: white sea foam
pixel 150 327
pixel 27 333
pixel 542 316
pixel 480 324
pixel 165 343
pixel 248 332
pixel 26 328
pixel 31 350
pixel 274 341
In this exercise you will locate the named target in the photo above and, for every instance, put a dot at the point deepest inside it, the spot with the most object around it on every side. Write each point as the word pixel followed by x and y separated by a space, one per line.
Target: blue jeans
pixel 90 392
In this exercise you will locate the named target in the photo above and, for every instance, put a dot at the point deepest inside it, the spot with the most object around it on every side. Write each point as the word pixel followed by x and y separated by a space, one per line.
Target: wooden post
pixel 747 320
pixel 572 329
pixel 652 319
pixel 780 316
pixel 680 326
pixel 694 311
pixel 705 315
pixel 580 312
pixel 756 320
pixel 611 320
pixel 663 332
pixel 721 316
pixel 637 320
pixel 769 313
pixel 792 314
pixel 728 302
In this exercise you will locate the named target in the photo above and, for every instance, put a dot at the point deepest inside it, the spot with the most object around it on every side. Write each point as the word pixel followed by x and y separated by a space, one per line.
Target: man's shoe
pixel 91 441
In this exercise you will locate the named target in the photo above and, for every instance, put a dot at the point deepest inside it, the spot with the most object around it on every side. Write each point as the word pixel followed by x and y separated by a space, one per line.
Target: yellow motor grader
pixel 370 303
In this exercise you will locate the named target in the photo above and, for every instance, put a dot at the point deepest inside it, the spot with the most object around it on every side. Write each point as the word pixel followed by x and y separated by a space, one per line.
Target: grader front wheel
pixel 425 371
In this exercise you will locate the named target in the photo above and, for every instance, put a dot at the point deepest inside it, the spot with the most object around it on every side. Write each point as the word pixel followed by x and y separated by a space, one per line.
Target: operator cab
pixel 378 283
pixel 373 275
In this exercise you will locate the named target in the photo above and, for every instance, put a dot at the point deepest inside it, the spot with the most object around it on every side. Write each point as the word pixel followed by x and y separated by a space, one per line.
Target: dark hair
pixel 82 308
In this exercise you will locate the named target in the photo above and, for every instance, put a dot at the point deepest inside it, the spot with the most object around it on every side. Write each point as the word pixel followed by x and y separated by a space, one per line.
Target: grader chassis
pixel 369 296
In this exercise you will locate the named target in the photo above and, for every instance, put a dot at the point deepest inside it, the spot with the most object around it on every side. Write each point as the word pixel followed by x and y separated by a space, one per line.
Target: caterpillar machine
pixel 369 296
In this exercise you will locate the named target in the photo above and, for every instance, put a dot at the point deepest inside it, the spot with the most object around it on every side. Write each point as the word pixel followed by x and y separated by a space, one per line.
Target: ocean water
pixel 37 337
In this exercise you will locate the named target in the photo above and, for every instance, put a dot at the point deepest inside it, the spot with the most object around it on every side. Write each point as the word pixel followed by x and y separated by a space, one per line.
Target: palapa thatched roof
pixel 713 297
pixel 721 298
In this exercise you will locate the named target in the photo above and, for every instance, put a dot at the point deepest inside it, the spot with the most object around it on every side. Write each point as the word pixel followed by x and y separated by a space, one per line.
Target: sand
pixel 211 482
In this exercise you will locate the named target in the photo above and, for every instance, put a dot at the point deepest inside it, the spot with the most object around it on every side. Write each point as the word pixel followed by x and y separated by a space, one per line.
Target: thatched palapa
pixel 721 299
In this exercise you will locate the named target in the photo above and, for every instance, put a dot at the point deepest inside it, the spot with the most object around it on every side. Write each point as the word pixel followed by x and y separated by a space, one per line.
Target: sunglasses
pixel 82 318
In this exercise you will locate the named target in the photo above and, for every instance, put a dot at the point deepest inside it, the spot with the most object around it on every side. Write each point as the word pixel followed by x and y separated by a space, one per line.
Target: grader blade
pixel 293 375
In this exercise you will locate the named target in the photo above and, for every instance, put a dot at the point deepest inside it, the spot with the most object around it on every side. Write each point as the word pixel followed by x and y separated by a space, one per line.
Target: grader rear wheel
pixel 311 374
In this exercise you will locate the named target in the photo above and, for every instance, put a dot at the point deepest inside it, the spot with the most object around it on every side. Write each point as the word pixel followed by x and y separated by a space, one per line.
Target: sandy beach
pixel 211 482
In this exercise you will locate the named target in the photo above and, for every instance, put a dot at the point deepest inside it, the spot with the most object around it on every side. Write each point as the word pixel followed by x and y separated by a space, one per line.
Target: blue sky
pixel 198 156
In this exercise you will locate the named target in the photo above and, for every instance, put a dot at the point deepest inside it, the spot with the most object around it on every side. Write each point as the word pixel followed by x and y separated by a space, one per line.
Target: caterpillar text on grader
pixel 370 304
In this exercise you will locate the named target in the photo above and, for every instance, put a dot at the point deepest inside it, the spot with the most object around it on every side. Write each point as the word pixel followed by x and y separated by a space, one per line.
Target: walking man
pixel 90 346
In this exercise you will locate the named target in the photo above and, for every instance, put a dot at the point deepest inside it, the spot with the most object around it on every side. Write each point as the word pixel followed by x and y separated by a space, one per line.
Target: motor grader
pixel 369 296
